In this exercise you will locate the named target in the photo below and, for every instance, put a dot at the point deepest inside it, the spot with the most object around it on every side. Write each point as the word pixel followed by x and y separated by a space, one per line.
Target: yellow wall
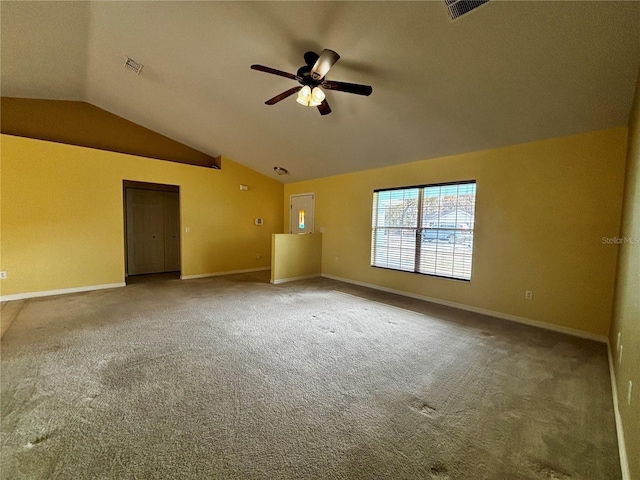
pixel 626 312
pixel 295 256
pixel 542 210
pixel 62 214
pixel 83 124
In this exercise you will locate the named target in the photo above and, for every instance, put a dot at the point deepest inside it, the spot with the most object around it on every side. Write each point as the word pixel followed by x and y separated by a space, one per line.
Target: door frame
pixel 161 187
pixel 313 195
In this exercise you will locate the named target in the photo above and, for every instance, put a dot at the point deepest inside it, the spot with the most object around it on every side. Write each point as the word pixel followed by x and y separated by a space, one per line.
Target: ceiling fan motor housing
pixel 304 74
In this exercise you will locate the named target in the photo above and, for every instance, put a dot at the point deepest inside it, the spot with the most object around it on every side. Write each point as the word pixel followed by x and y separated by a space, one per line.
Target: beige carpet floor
pixel 234 378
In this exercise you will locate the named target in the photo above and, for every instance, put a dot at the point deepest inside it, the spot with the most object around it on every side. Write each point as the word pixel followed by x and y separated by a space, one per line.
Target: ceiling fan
pixel 311 78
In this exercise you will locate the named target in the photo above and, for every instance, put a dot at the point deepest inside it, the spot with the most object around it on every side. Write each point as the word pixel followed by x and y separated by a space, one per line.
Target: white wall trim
pixel 219 274
pixel 624 463
pixel 293 279
pixel 461 306
pixel 62 291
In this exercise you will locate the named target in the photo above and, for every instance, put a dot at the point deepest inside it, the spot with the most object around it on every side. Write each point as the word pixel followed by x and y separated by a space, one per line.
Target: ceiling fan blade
pixel 324 108
pixel 324 63
pixel 273 71
pixel 283 95
pixel 356 88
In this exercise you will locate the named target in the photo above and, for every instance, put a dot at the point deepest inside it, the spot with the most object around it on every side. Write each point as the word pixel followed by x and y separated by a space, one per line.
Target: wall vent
pixel 458 8
pixel 131 64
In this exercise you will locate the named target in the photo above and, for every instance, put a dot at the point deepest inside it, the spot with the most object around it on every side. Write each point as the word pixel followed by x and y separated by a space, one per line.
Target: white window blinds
pixel 426 229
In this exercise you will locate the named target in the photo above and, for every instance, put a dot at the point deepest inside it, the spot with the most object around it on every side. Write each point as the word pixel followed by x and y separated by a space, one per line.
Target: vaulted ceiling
pixel 508 73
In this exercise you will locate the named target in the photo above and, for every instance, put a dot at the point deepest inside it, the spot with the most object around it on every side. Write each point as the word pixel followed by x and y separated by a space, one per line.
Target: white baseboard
pixel 461 306
pixel 88 288
pixel 62 291
pixel 624 462
pixel 293 279
pixel 218 274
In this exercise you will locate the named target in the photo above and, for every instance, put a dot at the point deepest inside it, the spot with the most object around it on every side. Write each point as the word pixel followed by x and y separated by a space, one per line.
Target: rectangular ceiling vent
pixel 458 8
pixel 132 65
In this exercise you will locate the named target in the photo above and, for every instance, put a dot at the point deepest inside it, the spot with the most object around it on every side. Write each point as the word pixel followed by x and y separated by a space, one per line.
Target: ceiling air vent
pixel 132 65
pixel 458 8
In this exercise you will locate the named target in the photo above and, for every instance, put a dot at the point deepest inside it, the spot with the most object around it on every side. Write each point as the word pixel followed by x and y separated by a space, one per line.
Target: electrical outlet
pixel 187 229
pixel 618 341
pixel 3 274
pixel 528 295
pixel 629 392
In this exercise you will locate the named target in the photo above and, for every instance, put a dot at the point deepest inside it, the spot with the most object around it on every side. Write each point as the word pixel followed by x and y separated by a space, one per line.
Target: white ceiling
pixel 508 73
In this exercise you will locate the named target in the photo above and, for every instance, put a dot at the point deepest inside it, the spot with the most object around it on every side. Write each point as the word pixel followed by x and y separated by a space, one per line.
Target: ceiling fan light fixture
pixel 317 97
pixel 304 96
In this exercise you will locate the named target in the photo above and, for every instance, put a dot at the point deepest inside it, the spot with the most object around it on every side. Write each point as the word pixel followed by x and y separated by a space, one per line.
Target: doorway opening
pixel 152 231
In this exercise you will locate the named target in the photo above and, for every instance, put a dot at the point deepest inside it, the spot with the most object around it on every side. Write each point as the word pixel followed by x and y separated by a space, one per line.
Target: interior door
pixel 302 212
pixel 153 231
pixel 145 231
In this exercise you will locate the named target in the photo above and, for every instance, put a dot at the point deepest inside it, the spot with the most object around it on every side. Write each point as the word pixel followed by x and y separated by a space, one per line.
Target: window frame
pixel 419 228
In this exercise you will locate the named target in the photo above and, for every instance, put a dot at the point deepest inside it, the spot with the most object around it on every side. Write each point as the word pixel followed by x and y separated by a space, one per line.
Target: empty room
pixel 320 240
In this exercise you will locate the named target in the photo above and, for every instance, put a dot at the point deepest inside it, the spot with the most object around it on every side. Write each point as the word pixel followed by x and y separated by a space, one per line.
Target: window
pixel 426 229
